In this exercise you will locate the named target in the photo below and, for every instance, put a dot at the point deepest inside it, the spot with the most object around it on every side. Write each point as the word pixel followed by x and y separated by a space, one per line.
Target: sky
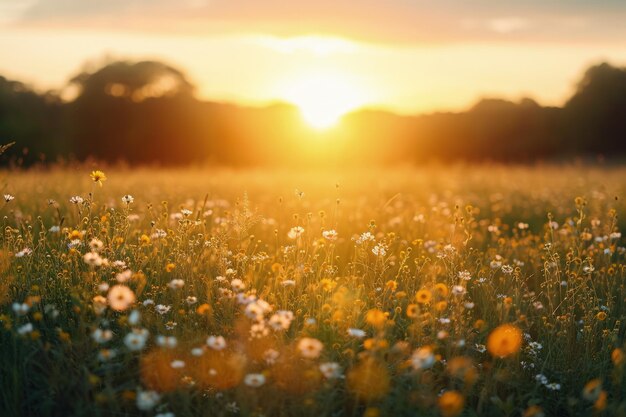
pixel 408 56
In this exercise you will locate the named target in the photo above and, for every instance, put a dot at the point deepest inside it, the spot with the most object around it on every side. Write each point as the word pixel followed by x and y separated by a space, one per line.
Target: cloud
pixel 403 21
pixel 12 10
pixel 508 24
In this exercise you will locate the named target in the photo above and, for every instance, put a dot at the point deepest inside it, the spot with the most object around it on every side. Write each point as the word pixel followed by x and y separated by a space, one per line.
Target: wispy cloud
pixel 508 24
pixel 404 21
pixel 13 10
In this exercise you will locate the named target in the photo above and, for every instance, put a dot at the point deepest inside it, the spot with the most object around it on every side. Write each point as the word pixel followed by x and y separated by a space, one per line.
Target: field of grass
pixel 434 291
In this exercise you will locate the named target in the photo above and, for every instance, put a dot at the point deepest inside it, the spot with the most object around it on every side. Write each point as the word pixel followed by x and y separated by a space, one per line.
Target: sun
pixel 323 98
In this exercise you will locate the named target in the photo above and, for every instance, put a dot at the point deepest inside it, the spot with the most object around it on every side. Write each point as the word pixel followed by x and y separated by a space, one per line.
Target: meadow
pixel 432 291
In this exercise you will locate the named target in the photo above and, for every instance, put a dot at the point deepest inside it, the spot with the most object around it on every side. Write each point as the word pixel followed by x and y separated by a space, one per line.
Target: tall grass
pixel 436 291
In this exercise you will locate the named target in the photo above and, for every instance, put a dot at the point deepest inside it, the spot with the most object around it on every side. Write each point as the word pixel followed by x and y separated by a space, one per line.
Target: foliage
pixel 145 112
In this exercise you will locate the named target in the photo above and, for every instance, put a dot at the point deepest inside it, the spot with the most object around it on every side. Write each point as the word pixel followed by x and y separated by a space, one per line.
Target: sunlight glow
pixel 323 98
pixel 314 44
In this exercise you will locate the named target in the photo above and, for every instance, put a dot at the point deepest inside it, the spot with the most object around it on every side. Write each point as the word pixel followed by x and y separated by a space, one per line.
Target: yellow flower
pixel 170 267
pixel 328 284
pixel 504 340
pixel 75 234
pixel 423 296
pixel 98 177
pixel 371 412
pixel 64 336
pixel 601 316
pixel 391 285
pixel 451 403
pixel 94 379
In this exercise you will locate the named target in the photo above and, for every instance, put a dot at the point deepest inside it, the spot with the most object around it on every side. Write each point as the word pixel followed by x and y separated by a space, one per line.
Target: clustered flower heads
pixel 423 310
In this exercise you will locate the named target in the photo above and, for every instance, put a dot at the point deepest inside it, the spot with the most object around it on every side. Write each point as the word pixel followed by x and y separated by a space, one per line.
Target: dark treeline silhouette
pixel 146 112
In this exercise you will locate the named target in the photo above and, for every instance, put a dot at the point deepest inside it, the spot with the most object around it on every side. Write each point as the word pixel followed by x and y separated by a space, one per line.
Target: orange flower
pixel 412 311
pixel 369 380
pixel 479 324
pixel 204 309
pixel 451 403
pixel 462 368
pixel 375 344
pixel 441 290
pixel 592 390
pixel 376 317
pixel 600 403
pixel 391 285
pixel 294 375
pixel 441 306
pixel 423 296
pixel 504 340
pixel 617 356
pixel 218 370
pixel 601 316
pixel 534 411
pixel 157 372
pixel 128 395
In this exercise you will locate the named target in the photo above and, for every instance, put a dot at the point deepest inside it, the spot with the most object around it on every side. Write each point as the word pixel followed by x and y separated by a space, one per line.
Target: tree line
pixel 146 113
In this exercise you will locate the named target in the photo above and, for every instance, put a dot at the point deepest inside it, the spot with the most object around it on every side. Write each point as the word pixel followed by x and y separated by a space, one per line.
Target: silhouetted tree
pixel 139 112
pixel 595 116
pixel 144 112
pixel 33 121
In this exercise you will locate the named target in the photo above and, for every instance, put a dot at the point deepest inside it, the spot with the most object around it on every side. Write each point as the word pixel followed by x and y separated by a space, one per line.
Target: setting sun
pixel 323 98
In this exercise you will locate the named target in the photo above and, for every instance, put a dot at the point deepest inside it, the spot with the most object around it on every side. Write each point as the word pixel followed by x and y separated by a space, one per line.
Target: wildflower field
pixel 434 291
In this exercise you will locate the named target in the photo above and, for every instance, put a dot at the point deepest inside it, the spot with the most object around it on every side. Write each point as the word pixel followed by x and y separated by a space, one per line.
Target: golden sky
pixel 407 56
